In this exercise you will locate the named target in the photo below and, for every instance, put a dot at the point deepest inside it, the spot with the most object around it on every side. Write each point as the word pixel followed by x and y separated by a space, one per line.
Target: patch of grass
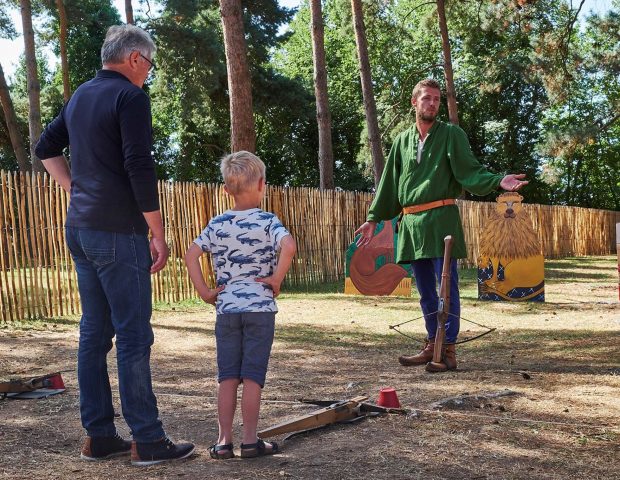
pixel 316 336
pixel 42 324
pixel 326 287
pixel 189 304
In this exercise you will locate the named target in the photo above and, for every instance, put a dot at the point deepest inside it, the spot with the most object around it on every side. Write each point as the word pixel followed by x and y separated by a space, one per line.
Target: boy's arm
pixel 288 247
pixel 192 260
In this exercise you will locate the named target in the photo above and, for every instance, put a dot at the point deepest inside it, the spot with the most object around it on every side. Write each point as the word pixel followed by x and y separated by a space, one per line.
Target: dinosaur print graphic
pixel 247 225
pixel 222 234
pixel 240 259
pixel 223 279
pixel 241 294
pixel 243 246
pixel 252 273
pixel 219 220
pixel 222 251
pixel 263 303
pixel 247 241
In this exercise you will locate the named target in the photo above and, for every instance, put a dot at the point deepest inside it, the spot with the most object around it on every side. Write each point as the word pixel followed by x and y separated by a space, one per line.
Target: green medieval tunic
pixel 447 165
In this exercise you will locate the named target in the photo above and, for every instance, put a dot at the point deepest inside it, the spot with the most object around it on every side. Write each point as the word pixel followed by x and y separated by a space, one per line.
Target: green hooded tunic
pixel 447 166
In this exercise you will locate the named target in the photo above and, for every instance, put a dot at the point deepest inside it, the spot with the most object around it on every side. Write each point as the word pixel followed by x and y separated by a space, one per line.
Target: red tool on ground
pixel 20 385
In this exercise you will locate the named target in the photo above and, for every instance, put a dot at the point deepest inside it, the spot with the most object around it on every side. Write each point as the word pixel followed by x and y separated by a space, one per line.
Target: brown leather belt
pixel 427 206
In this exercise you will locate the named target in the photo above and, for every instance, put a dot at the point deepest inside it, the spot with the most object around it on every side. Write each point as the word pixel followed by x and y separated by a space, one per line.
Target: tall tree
pixel 34 87
pixel 129 11
pixel 374 137
pixel 7 30
pixel 447 60
pixel 12 126
pixel 242 132
pixel 323 117
pixel 62 38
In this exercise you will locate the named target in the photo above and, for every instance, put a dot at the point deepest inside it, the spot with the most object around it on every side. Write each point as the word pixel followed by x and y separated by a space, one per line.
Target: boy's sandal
pixel 222 452
pixel 258 449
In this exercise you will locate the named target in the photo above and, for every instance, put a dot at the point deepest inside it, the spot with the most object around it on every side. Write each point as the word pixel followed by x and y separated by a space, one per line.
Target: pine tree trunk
pixel 323 116
pixel 129 11
pixel 34 87
pixel 374 138
pixel 12 126
pixel 242 132
pixel 447 56
pixel 64 62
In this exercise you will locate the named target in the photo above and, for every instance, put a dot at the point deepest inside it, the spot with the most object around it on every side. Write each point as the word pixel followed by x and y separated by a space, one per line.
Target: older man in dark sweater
pixel 113 205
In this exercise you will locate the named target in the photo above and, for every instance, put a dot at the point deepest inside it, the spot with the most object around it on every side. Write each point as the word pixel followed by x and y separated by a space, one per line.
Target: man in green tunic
pixel 427 168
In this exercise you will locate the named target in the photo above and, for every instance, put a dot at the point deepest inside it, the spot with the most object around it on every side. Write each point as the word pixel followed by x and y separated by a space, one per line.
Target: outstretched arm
pixel 512 183
pixel 366 231
pixel 192 260
pixel 288 247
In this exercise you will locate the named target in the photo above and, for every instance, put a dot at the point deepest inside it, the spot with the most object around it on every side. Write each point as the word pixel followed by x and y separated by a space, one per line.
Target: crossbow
pixel 470 339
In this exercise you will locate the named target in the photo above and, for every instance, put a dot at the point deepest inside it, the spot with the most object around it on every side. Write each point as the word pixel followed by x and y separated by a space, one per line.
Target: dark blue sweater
pixel 107 122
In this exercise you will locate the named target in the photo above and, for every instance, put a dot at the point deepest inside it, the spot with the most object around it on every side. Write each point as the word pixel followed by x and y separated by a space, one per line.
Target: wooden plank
pixel 323 416
pixel 14 263
pixel 6 303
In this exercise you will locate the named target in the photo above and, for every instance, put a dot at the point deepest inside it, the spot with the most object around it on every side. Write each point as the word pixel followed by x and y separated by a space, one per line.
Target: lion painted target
pixel 511 266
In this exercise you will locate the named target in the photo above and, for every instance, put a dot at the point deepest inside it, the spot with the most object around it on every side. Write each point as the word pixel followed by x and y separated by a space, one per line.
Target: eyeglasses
pixel 153 67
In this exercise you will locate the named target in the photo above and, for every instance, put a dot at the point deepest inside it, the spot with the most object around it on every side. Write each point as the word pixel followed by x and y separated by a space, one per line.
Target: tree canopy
pixel 537 84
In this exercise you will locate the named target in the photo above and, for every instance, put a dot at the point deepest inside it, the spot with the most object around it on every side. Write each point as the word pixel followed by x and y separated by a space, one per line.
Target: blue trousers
pixel 114 281
pixel 427 273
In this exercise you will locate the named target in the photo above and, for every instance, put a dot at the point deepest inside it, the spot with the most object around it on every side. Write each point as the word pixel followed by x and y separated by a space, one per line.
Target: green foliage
pixel 87 24
pixel 581 146
pixel 538 88
pixel 189 90
pixel 190 97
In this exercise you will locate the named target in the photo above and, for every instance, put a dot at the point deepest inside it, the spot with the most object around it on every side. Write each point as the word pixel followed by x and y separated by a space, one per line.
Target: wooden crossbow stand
pixel 334 412
pixel 443 310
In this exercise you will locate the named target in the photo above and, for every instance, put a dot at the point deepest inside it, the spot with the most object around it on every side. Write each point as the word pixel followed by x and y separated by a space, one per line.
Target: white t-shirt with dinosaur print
pixel 243 244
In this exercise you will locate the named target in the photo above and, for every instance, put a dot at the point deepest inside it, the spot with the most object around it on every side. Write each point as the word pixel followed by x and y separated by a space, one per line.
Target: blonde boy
pixel 243 242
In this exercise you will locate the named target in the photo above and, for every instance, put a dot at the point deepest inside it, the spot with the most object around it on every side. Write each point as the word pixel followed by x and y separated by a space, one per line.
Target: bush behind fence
pixel 37 277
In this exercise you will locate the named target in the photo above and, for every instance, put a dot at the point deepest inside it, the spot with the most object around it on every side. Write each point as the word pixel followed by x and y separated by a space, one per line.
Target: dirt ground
pixel 561 358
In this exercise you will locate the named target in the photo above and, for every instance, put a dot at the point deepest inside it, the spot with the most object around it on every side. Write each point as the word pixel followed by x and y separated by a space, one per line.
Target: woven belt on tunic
pixel 428 206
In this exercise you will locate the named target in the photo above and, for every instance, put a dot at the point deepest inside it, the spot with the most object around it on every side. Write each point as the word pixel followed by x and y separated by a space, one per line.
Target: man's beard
pixel 427 117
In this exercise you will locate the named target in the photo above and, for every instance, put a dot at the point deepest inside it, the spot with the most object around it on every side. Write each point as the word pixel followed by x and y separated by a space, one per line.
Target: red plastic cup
pixel 56 382
pixel 388 398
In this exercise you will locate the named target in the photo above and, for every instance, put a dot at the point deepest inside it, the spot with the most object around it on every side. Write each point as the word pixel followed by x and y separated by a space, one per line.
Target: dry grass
pixel 562 424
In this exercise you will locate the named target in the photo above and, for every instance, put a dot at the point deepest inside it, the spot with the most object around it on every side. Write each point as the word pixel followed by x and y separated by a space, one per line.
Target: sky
pixel 11 50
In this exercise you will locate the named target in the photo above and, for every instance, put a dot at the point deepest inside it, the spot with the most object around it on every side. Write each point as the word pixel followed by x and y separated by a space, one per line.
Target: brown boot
pixel 448 360
pixel 449 357
pixel 422 358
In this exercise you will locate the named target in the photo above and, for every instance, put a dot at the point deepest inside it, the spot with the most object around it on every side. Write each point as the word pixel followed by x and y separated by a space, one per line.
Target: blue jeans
pixel 114 281
pixel 427 273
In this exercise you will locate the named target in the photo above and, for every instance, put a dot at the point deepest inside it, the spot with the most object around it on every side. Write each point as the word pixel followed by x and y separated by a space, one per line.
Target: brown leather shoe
pixel 101 448
pixel 448 360
pixel 422 358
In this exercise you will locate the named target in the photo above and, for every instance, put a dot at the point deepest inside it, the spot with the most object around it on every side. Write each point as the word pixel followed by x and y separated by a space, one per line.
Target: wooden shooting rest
pixel 335 412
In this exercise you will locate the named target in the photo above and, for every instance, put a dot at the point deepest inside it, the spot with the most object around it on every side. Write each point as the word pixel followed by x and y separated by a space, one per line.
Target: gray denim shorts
pixel 243 342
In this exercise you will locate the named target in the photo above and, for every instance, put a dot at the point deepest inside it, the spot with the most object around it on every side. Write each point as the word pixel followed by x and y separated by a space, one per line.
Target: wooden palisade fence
pixel 37 278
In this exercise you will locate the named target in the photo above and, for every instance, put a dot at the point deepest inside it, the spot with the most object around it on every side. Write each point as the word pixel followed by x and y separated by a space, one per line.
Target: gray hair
pixel 121 40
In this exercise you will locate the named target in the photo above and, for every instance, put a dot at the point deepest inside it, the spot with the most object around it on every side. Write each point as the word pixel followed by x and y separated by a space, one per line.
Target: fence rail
pixel 37 278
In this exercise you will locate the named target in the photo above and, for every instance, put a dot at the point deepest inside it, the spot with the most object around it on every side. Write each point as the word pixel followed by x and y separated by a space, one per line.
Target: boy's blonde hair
pixel 240 170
